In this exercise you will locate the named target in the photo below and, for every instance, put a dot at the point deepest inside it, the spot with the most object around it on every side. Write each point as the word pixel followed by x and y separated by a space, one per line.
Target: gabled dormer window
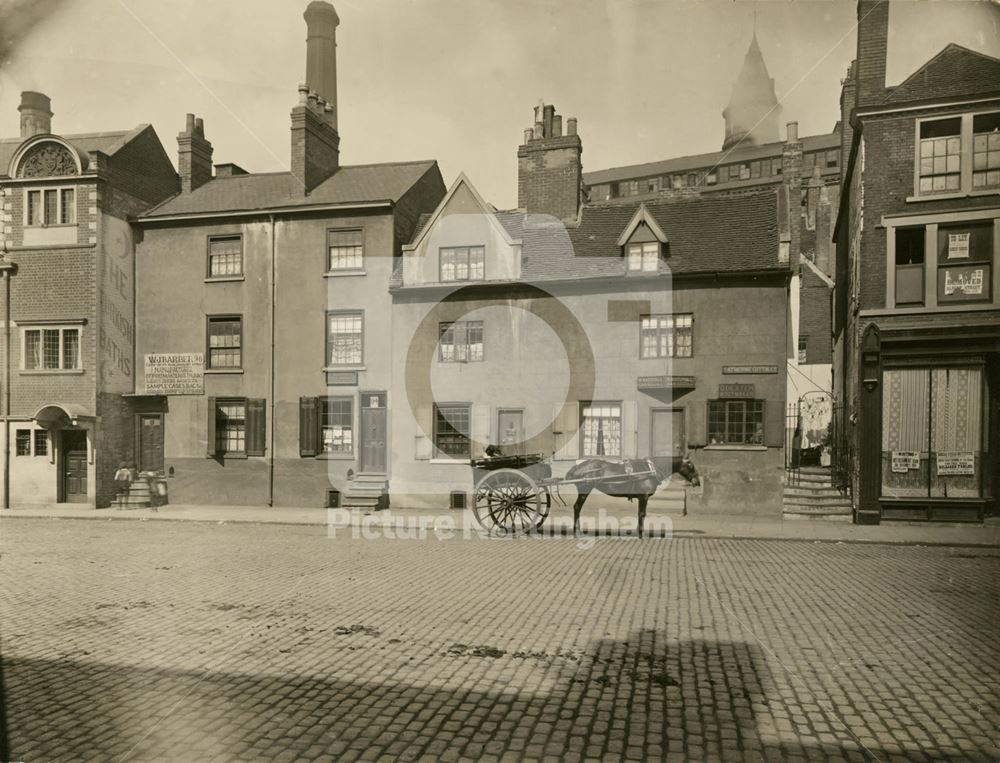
pixel 463 263
pixel 643 257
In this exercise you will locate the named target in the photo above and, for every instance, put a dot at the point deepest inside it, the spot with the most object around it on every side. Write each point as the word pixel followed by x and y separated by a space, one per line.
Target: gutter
pixel 269 211
pixel 270 428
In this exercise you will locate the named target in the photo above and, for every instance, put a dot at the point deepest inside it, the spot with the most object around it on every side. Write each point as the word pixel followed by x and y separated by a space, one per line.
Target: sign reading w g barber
pixel 175 373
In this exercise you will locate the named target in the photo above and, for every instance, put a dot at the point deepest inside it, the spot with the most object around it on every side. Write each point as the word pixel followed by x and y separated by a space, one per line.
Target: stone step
pixel 813 508
pixel 840 516
pixel 356 502
pixel 819 499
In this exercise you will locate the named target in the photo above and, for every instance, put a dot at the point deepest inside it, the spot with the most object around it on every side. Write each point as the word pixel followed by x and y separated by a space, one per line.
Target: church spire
pixel 753 115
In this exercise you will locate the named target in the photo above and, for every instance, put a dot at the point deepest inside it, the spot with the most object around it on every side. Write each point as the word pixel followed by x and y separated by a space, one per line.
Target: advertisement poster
pixel 956 462
pixel 904 460
pixel 958 246
pixel 175 373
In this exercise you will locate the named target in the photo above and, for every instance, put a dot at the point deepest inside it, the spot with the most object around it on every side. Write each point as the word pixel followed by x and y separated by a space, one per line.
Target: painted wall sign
pixel 749 369
pixel 954 462
pixel 342 378
pixel 904 460
pixel 175 373
pixel 958 246
pixel 665 382
pixel 737 390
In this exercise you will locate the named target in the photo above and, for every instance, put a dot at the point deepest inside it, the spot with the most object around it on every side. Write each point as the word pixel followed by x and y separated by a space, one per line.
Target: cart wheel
pixel 508 501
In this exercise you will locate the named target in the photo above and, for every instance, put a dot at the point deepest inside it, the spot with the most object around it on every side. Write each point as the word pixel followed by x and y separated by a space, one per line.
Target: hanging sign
pixel 954 462
pixel 958 246
pixel 175 373
pixel 904 460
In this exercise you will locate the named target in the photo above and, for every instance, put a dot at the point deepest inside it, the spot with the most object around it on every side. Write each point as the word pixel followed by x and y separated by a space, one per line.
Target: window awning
pixel 665 382
pixel 61 416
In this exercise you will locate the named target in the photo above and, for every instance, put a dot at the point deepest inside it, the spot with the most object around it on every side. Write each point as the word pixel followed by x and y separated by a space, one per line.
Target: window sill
pixel 335 457
pixel 957 195
pixel 224 279
pixel 223 370
pixel 328 369
pixel 344 273
pixel 230 456
pixel 53 371
pixel 736 447
pixel 49 226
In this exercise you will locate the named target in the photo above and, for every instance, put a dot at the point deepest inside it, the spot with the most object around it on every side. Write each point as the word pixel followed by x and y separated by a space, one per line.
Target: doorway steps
pixel 139 496
pixel 670 497
pixel 809 494
pixel 366 491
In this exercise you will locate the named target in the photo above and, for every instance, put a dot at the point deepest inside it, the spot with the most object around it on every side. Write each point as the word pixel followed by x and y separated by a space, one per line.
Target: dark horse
pixel 614 478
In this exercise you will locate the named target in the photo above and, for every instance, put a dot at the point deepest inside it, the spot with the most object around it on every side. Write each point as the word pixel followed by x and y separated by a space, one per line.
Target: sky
pixel 452 80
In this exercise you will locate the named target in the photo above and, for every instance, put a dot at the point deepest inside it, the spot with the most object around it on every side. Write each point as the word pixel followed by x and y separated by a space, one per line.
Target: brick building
pixel 592 329
pixel 917 318
pixel 754 157
pixel 66 201
pixel 263 332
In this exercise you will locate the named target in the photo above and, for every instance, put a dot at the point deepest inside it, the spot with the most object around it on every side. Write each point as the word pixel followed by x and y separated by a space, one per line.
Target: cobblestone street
pixel 191 641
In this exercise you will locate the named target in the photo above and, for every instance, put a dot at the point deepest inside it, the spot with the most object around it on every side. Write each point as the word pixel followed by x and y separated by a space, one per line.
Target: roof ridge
pixel 386 164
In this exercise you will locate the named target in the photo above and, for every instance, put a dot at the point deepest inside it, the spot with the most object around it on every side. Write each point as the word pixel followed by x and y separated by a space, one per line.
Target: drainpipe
pixel 8 269
pixel 270 429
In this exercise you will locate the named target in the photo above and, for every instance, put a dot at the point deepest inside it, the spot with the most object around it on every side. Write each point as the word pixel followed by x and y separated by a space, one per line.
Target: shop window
pixel 932 432
pixel 336 422
pixel 643 257
pixel 601 427
pixel 909 266
pixel 22 442
pixel 452 432
pixel 986 151
pixel 344 338
pixel 460 342
pixel 53 348
pixel 666 336
pixel 225 256
pixel 345 250
pixel 965 263
pixel 463 263
pixel 225 341
pixel 736 422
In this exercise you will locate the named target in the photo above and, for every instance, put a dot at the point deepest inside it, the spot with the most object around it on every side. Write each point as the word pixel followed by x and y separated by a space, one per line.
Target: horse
pixel 614 478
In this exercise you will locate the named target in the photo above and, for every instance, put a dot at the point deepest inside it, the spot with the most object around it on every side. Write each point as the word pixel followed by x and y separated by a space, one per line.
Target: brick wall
pixel 315 150
pixel 550 175
pixel 814 316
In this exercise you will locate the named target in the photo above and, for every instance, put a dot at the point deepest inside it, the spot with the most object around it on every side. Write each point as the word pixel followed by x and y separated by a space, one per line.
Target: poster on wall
pixel 958 246
pixel 175 373
pixel 965 282
pixel 904 460
pixel 956 462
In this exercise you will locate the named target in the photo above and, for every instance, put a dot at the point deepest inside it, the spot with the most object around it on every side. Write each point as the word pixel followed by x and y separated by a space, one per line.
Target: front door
pixel 373 430
pixel 150 442
pixel 510 428
pixel 74 466
pixel 668 437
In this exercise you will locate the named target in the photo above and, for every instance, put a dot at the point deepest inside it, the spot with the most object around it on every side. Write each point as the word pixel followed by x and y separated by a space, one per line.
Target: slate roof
pixel 348 185
pixel 954 72
pixel 697 161
pixel 106 142
pixel 705 234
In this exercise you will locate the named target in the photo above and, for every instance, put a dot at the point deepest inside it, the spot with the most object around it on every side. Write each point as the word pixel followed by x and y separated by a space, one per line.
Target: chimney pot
pixel 793 132
pixel 529 133
pixel 194 155
pixel 189 124
pixel 36 114
pixel 556 125
pixel 199 127
pixel 571 126
pixel 539 130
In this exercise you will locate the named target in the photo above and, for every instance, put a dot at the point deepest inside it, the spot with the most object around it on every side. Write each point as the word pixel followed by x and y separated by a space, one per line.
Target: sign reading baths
pixel 175 373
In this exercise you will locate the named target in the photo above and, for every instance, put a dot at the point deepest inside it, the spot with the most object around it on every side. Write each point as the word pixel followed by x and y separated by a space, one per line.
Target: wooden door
pixel 510 431
pixel 668 437
pixel 74 463
pixel 150 442
pixel 373 432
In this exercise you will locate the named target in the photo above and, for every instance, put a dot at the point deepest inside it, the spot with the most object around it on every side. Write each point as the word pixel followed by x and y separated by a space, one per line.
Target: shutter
pixel 480 429
pixel 774 424
pixel 566 432
pixel 210 445
pixel 630 426
pixel 308 425
pixel 256 426
pixel 423 433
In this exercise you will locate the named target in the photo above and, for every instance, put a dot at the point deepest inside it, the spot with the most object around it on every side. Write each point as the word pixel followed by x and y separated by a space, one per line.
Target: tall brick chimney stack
pixel 194 155
pixel 873 43
pixel 315 140
pixel 549 166
pixel 36 114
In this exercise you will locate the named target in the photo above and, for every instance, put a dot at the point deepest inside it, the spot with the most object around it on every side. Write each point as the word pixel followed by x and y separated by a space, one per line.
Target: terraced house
pixel 591 329
pixel 917 317
pixel 69 300
pixel 263 335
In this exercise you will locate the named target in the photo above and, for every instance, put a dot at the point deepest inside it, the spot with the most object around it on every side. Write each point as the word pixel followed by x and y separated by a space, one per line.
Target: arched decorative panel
pixel 47 159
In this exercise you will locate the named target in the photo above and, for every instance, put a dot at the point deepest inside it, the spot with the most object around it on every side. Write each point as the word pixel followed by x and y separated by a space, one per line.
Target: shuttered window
pixel 237 426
